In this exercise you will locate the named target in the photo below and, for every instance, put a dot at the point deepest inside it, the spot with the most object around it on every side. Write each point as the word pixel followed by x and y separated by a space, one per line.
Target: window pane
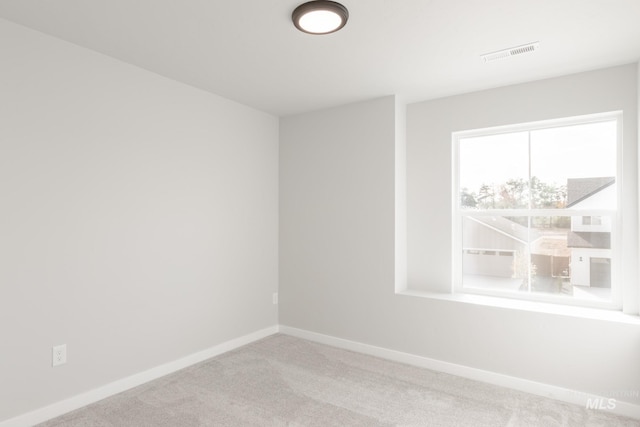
pixel 550 254
pixel 495 253
pixel 554 255
pixel 556 188
pixel 571 258
pixel 494 171
pixel 574 166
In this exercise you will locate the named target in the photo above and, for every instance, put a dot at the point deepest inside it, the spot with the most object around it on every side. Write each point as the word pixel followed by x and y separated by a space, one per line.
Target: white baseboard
pixel 92 396
pixel 540 389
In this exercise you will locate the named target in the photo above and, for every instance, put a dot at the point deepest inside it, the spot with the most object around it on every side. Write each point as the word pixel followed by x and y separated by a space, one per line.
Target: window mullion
pixel 529 278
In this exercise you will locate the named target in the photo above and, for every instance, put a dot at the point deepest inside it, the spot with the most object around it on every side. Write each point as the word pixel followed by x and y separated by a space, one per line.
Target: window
pixel 591 220
pixel 536 210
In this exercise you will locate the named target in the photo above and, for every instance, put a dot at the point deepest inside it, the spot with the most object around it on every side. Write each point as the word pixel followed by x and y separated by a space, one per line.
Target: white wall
pixel 337 235
pixel 138 219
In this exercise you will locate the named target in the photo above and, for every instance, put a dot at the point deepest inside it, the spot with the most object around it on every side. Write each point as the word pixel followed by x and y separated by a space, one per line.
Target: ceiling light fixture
pixel 320 17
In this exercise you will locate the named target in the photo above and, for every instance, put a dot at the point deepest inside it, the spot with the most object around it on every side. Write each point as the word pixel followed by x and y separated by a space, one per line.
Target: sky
pixel 579 151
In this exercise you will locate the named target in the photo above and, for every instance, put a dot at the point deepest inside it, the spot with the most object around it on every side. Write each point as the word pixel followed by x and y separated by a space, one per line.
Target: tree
pixel 517 193
pixel 486 197
pixel 547 196
pixel 468 199
pixel 514 194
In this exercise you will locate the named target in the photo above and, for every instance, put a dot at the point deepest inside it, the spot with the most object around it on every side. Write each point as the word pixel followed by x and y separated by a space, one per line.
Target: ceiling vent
pixel 512 51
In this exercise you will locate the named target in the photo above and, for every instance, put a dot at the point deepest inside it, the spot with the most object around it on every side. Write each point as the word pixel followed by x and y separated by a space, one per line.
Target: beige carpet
pixel 286 381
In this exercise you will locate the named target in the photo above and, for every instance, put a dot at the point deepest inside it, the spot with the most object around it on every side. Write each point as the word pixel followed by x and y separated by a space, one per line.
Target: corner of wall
pixel 400 195
pixel 638 136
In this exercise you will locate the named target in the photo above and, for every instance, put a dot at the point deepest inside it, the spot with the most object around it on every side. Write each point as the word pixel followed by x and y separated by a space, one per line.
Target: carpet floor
pixel 286 381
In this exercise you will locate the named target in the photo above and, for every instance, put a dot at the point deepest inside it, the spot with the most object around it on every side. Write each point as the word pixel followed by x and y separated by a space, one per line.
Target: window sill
pixel 531 306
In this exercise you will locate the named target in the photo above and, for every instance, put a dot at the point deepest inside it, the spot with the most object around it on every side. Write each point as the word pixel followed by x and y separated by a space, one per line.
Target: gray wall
pixel 337 219
pixel 138 219
pixel 337 234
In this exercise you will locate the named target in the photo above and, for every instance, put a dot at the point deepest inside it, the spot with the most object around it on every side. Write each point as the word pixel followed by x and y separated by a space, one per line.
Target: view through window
pixel 536 209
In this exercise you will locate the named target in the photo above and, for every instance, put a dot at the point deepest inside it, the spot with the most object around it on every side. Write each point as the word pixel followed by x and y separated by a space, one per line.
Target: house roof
pixel 584 239
pixel 545 242
pixel 579 189
pixel 551 245
pixel 508 227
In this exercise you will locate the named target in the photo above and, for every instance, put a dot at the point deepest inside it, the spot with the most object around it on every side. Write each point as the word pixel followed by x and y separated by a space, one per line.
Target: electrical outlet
pixel 59 355
pixel 274 298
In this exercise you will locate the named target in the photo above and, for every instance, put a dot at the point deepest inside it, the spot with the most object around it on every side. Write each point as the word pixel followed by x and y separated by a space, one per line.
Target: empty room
pixel 290 213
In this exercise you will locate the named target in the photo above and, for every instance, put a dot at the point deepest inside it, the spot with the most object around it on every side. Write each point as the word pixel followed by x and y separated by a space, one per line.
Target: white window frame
pixel 616 214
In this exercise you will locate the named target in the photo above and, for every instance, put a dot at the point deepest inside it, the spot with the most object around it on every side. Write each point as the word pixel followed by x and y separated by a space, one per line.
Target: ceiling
pixel 250 52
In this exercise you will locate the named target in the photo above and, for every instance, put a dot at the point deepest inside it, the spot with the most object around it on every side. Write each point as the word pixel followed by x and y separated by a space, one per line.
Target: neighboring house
pixel 491 245
pixel 497 246
pixel 590 236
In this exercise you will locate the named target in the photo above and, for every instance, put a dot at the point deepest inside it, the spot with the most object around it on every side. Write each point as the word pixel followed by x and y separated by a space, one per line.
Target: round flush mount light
pixel 320 17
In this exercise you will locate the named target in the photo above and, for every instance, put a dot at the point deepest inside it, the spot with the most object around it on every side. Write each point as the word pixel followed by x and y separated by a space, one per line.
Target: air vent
pixel 512 51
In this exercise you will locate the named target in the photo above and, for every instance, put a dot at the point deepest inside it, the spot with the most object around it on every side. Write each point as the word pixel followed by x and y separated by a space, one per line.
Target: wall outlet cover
pixel 59 355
